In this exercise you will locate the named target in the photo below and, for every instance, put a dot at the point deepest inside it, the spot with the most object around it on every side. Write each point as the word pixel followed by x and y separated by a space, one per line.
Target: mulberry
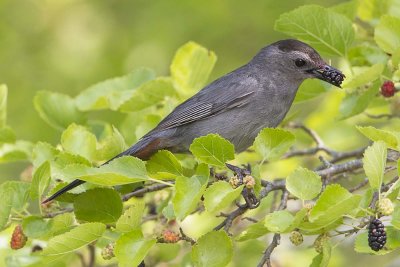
pixel 376 235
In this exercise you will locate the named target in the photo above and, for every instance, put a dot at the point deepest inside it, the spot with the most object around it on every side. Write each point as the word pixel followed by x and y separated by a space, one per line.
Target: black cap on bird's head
pixel 302 61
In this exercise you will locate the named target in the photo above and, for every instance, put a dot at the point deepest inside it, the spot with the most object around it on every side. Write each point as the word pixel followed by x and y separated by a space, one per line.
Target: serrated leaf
pixel 78 140
pixel 368 75
pixel 98 205
pixel 111 93
pixel 354 103
pixel 40 181
pixel 254 231
pixel 304 184
pixel 213 249
pixel 374 163
pixel 387 34
pixel 36 227
pixel 191 66
pixel 220 195
pixel 272 143
pixel 322 259
pixel 132 218
pixel 334 202
pixel 110 146
pixel 123 170
pixel 325 30
pixel 19 192
pixel 58 110
pixel 3 105
pixel 390 138
pixel 212 149
pixel 149 94
pixel 188 192
pixel 62 223
pixel 18 151
pixel 164 165
pixel 278 221
pixel 73 240
pixel 43 152
pixel 131 248
pixel 5 207
pixel 348 9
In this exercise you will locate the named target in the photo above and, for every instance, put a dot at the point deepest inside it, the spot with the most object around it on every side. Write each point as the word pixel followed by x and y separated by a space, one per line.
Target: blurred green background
pixel 68 45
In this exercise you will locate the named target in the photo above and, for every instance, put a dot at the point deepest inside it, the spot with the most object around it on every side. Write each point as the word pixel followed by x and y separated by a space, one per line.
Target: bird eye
pixel 300 62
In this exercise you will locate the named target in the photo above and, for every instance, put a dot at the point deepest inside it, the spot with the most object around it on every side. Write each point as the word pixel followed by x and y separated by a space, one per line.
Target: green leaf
pixel 149 94
pixel 213 249
pixel 334 202
pixel 58 110
pixel 132 218
pixel 73 240
pixel 212 149
pixel 272 143
pixel 390 138
pixel 19 193
pixel 348 9
pixel 188 192
pixel 325 30
pixel 18 151
pixel 110 146
pixel 304 184
pixel 98 205
pixel 309 89
pixel 372 10
pixel 387 34
pixel 374 163
pixel 164 165
pixel 7 135
pixel 396 217
pixel 123 170
pixel 368 75
pixel 78 140
pixel 3 105
pixel 356 102
pixel 254 231
pixel 40 181
pixel 36 227
pixel 220 195
pixel 191 67
pixel 278 221
pixel 5 207
pixel 62 223
pixel 322 259
pixel 110 94
pixel 131 248
pixel 43 152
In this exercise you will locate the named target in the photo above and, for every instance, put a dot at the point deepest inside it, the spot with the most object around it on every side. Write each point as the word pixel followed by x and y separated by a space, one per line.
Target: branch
pixel 140 192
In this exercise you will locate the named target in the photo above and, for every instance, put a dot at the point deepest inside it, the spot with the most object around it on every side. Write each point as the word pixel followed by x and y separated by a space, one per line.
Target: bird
pixel 238 105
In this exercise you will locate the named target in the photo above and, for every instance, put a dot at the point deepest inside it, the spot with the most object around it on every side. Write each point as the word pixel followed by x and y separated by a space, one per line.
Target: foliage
pixel 128 203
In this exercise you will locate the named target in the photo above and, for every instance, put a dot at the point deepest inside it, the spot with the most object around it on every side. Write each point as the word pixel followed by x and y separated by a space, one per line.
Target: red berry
pixel 170 236
pixel 18 238
pixel 388 89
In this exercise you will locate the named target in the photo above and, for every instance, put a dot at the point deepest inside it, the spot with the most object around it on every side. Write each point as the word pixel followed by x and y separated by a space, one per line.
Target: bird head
pixel 299 61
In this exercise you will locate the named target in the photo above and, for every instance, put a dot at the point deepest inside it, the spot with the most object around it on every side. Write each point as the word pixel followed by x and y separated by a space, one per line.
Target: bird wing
pixel 196 108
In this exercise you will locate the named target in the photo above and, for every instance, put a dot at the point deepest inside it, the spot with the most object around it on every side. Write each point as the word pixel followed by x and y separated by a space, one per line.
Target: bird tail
pixel 143 149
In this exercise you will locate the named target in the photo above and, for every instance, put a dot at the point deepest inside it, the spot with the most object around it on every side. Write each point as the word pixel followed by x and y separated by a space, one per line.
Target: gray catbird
pixel 238 105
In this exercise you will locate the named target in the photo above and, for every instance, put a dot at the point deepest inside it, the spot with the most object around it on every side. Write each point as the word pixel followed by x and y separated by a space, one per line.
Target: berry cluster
pixel 376 235
pixel 296 238
pixel 388 89
pixel 108 251
pixel 334 76
pixel 18 238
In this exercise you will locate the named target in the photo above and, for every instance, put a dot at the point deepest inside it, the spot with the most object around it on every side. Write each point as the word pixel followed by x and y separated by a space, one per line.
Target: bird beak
pixel 328 74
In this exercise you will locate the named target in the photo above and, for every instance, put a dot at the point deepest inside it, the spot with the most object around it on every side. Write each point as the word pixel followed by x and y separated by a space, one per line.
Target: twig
pixel 142 191
pixel 54 214
pixel 186 238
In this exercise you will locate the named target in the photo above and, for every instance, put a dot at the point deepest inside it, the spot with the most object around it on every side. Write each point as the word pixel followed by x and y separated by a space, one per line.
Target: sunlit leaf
pixel 387 34
pixel 78 140
pixel 326 30
pixel 213 249
pixel 40 181
pixel 374 163
pixel 164 165
pixel 131 248
pixel 370 74
pixel 58 110
pixel 18 151
pixel 36 227
pixel 132 218
pixel 390 138
pixel 220 195
pixel 304 184
pixel 272 143
pixel 212 149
